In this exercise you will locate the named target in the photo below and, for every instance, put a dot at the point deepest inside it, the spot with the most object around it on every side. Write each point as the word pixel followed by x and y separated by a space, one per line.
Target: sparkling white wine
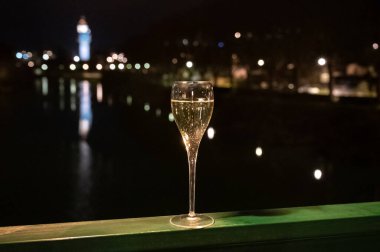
pixel 192 119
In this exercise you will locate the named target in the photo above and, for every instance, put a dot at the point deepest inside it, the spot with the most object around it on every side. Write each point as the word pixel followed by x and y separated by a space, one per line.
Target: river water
pixel 74 150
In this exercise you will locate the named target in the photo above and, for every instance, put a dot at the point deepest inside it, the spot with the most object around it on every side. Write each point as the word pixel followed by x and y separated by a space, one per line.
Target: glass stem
pixel 192 154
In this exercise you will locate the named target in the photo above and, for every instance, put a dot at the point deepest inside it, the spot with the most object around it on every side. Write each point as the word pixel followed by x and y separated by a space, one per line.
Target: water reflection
pixel 45 86
pixel 99 92
pixel 85 114
pixel 84 181
pixel 73 91
pixel 317 174
pixel 61 94
pixel 259 151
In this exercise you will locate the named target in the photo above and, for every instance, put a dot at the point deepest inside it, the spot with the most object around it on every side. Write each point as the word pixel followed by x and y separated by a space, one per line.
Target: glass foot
pixel 197 221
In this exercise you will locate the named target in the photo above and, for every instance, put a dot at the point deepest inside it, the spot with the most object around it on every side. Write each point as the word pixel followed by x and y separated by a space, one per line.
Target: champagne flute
pixel 192 104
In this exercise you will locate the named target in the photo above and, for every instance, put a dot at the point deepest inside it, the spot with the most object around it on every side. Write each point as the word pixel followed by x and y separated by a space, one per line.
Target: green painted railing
pixel 346 227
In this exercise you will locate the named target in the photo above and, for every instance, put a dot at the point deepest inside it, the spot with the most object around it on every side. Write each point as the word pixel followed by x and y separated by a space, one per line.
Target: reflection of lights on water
pixel 260 62
pixel 324 77
pixel 109 59
pixel 290 66
pixel 259 151
pixel 99 92
pixel 237 35
pixel 174 61
pixel 171 117
pixel 30 64
pixel 85 112
pixel 322 61
pixel 19 55
pixel 317 174
pixel 99 67
pixel 45 86
pixel 137 66
pixel 73 86
pixel 146 107
pixel 158 112
pixel 85 66
pixel 73 103
pixel 121 66
pixel 129 100
pixel 72 67
pixel 61 88
pixel 146 65
pixel 112 66
pixel 210 132
pixel 45 56
pixel 76 59
pixel 189 64
pixel 44 67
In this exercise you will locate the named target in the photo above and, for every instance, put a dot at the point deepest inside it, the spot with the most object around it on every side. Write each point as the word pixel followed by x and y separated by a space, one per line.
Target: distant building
pixel 84 39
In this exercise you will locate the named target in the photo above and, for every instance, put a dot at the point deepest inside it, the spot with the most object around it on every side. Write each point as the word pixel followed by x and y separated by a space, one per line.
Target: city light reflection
pixel 85 111
pixel 171 117
pixel 129 100
pixel 146 107
pixel 317 174
pixel 45 86
pixel 259 151
pixel 210 133
pixel 99 92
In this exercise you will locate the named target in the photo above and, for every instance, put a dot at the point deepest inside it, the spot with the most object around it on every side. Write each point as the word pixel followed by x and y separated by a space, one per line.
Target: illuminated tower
pixel 84 39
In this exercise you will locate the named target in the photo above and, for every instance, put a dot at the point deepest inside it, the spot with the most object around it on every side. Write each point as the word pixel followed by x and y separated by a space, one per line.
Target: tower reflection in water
pixel 84 179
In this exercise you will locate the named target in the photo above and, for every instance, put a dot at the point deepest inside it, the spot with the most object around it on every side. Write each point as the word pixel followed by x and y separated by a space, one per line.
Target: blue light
pixel 25 56
pixel 220 44
pixel 19 55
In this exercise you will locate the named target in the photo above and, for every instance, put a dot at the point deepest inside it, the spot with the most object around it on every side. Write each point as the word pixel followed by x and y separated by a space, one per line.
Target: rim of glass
pixel 193 82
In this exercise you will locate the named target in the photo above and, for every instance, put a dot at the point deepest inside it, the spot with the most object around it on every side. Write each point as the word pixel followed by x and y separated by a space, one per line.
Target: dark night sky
pixel 42 24
pixel 48 23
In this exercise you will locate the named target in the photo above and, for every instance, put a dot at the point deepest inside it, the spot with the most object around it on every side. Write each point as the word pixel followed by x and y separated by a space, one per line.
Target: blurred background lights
pixel 146 107
pixel 220 44
pixel 317 174
pixel 30 64
pixel 174 61
pixel 260 62
pixel 129 66
pixel 44 67
pixel 375 46
pixel 146 65
pixel 158 112
pixel 321 61
pixel 210 133
pixel 120 66
pixel 189 64
pixel 85 66
pixel 19 55
pixel 185 42
pixel 237 35
pixel 129 100
pixel 72 67
pixel 171 117
pixel 109 59
pixel 137 66
pixel 112 66
pixel 45 56
pixel 76 58
pixel 259 151
pixel 99 66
